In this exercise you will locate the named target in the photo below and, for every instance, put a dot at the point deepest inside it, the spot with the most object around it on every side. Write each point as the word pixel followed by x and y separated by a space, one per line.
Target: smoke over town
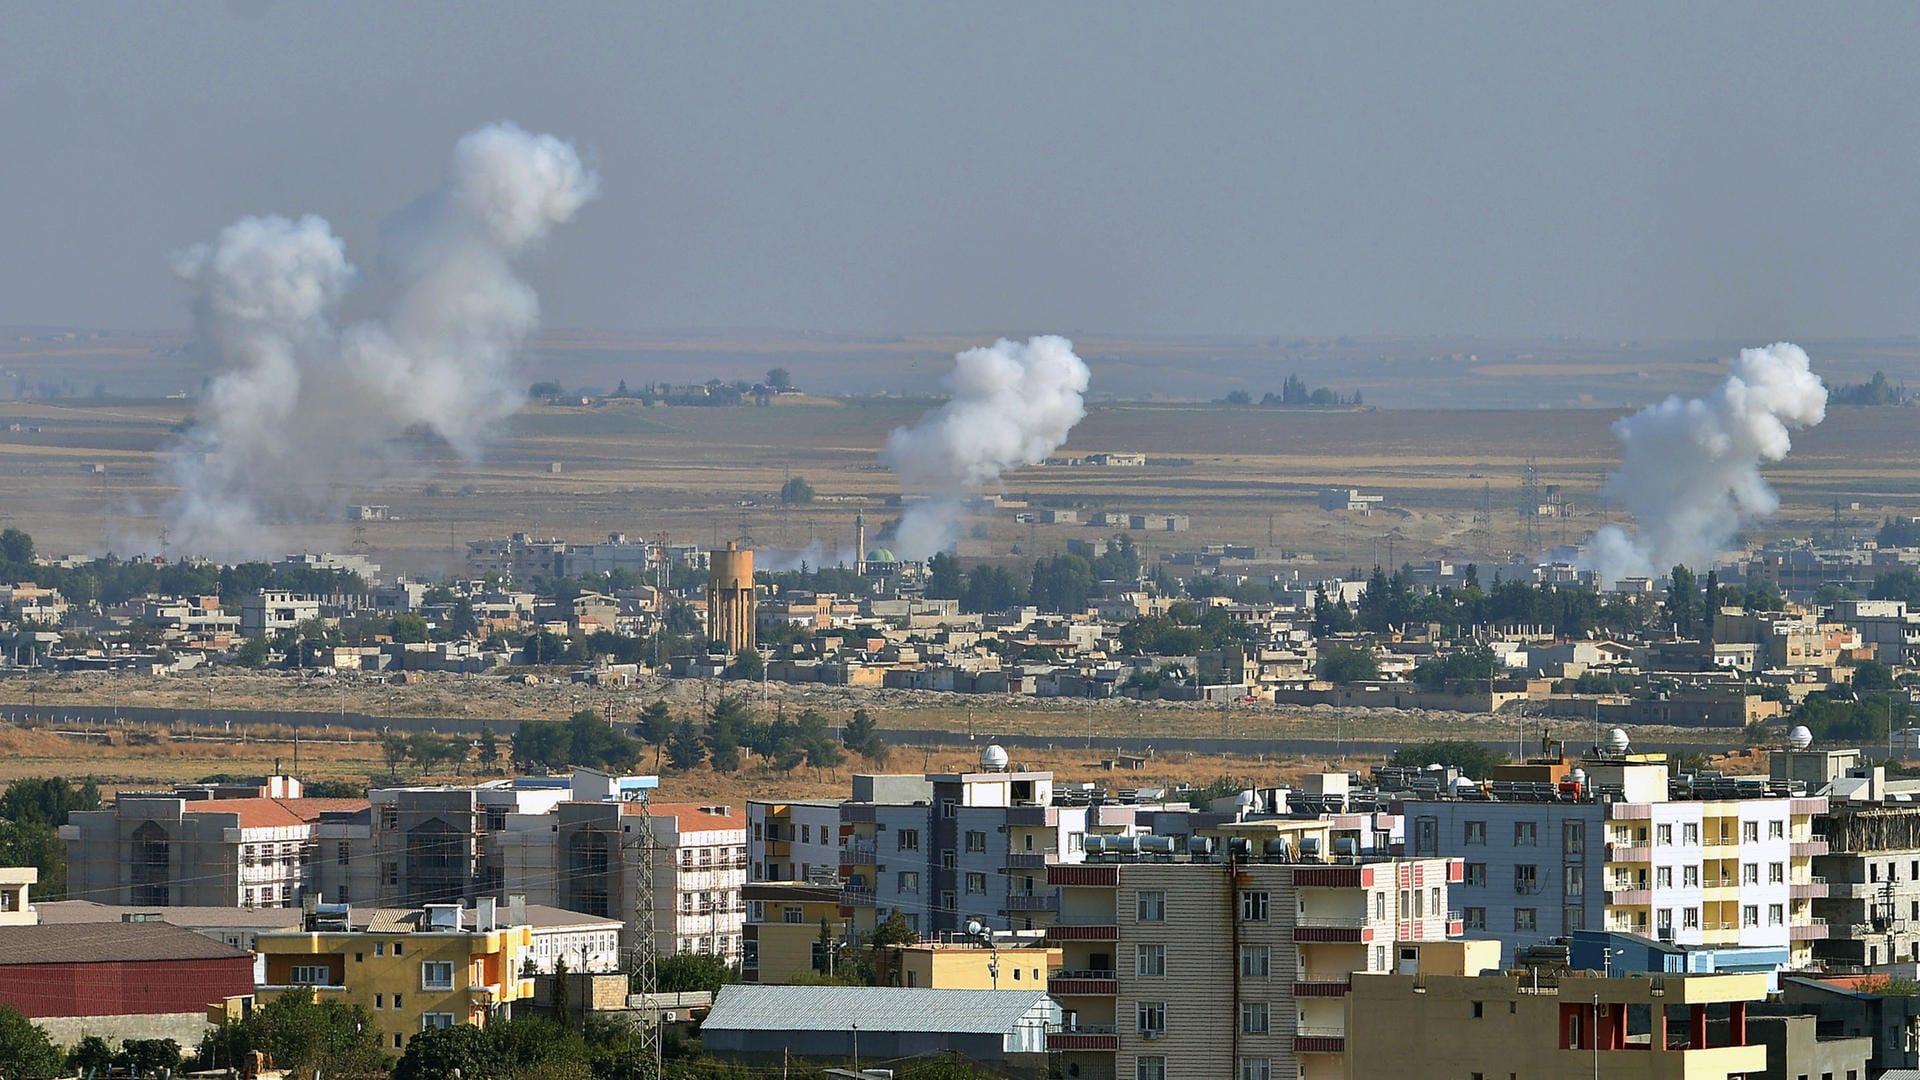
pixel 302 403
pixel 1690 470
pixel 1010 405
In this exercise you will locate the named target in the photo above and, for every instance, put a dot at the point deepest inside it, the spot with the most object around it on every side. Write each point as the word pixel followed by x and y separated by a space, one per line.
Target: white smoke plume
pixel 1690 471
pixel 302 403
pixel 1010 405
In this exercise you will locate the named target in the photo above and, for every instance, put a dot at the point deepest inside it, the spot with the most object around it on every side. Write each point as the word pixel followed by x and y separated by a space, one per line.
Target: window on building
pixel 1254 905
pixel 1750 873
pixel 1256 1069
pixel 1150 1017
pixel 1150 906
pixel 977 883
pixel 379 1001
pixel 1663 877
pixel 907 839
pixel 1476 832
pixel 750 955
pixel 1573 837
pixel 1663 835
pixel 303 975
pixel 436 975
pixel 398 1000
pixel 1776 873
pixel 1525 918
pixel 1574 881
pixel 976 841
pixel 1526 834
pixel 1663 919
pixel 1476 918
pixel 1526 879
pixel 949 859
pixel 1255 961
pixel 1426 836
pixel 1573 918
pixel 1253 1017
pixel 1379 907
pixel 1149 1068
pixel 341 853
pixel 1750 915
pixel 1690 876
pixel 1479 1010
pixel 435 1020
pixel 1690 918
pixel 389 816
pixel 1690 833
pixel 793 914
pixel 1776 915
pixel 1749 832
pixel 1149 959
pixel 909 882
pixel 1776 830
pixel 1477 874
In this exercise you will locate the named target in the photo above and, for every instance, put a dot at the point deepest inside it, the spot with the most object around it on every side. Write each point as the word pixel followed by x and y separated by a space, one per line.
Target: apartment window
pixel 1690 832
pixel 1149 959
pixel 1150 906
pixel 1750 915
pixel 436 975
pixel 949 859
pixel 1690 918
pixel 1526 879
pixel 1149 1068
pixel 1749 832
pixel 1255 961
pixel 1479 1010
pixel 1150 1017
pixel 1663 919
pixel 379 948
pixel 1380 907
pixel 910 882
pixel 907 839
pixel 1254 906
pixel 1776 915
pixel 379 1001
pixel 1476 918
pixel 1426 836
pixel 389 816
pixel 1575 880
pixel 1573 918
pixel 1573 837
pixel 1663 835
pixel 1776 830
pixel 397 1000
pixel 976 883
pixel 340 853
pixel 310 976
pixel 948 808
pixel 1750 873
pixel 1476 832
pixel 976 841
pixel 793 914
pixel 1477 873
pixel 1663 877
pixel 1525 918
pixel 1690 876
pixel 1776 873
pixel 1253 1017
pixel 436 1020
pixel 1256 1069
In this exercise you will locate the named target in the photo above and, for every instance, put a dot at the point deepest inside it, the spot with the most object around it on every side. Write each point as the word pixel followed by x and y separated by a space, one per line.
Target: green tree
pixel 299 1033
pixel 1683 600
pixel 796 492
pixel 562 994
pixel 251 653
pixel 1470 758
pixel 16 547
pixel 489 746
pixel 1474 665
pixel 25 1049
pixel 747 664
pixel 1349 664
pixel 148 1056
pixel 685 751
pixel 394 748
pixel 90 1053
pixel 1872 675
pixel 684 973
pixel 409 629
pixel 944 579
pixel 862 736
pixel 779 378
pixel 436 1054
pixel 656 723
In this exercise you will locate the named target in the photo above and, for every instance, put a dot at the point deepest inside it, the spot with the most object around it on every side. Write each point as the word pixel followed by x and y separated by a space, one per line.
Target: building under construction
pixel 731 602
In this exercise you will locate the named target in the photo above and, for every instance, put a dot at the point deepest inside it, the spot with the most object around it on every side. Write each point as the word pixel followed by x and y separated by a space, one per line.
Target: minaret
pixel 860 544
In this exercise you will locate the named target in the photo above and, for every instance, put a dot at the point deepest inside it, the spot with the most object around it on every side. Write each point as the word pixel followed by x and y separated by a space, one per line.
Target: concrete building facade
pixel 732 599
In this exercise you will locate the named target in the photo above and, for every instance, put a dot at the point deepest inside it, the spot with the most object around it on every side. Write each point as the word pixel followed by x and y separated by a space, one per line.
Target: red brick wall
pixel 121 989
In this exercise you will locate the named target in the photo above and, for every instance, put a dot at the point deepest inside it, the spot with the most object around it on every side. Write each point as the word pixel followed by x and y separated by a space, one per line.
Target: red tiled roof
pixel 695 817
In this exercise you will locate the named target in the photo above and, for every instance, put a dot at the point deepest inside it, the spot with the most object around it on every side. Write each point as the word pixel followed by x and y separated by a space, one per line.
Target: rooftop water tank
pixel 1799 738
pixel 1617 741
pixel 994 758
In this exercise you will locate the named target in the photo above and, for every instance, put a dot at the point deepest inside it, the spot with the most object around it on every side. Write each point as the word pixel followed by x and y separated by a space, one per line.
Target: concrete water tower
pixel 731 600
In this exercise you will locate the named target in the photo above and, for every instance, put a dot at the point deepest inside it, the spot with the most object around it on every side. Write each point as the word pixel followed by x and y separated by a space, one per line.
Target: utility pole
pixel 645 969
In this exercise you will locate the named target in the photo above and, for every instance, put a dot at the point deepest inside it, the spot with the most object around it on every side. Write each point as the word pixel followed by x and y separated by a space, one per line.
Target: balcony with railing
pixel 1814 888
pixel 1033 860
pixel 1082 932
pixel 1813 930
pixel 1033 902
pixel 1322 984
pixel 860 853
pixel 1809 847
pixel 851 897
pixel 1634 852
pixel 1085 982
pixel 1084 1037
pixel 1331 929
pixel 1320 1040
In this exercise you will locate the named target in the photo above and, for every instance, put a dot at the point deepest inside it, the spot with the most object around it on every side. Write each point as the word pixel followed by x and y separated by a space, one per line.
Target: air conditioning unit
pixel 670 1017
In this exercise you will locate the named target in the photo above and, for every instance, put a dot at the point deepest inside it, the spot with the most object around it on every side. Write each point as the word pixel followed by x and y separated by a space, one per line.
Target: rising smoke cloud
pixel 1690 469
pixel 302 403
pixel 1010 405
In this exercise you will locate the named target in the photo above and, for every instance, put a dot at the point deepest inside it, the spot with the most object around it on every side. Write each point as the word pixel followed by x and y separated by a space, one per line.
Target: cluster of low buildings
pixel 1570 910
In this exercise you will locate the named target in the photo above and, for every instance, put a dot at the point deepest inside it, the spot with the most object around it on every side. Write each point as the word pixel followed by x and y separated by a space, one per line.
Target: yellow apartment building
pixel 1573 1025
pixel 409 968
pixel 781 938
pixel 968 966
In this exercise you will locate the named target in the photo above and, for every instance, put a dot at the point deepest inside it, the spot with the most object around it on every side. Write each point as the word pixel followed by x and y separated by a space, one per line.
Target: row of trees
pixel 31 813
pixel 1294 392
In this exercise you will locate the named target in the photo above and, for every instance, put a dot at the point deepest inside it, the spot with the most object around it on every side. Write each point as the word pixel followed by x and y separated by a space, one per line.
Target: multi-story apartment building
pixel 793 841
pixel 960 847
pixel 1424 1023
pixel 1228 961
pixel 781 939
pixel 433 844
pixel 409 969
pixel 1871 877
pixel 1613 848
pixel 586 856
pixel 189 849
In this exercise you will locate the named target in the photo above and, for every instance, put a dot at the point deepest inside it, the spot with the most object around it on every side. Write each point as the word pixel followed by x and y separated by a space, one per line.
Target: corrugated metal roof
pixel 873 1008
pixel 88 943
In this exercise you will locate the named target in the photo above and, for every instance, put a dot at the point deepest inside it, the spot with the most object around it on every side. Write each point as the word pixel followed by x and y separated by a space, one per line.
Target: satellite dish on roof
pixel 994 758
pixel 1617 741
pixel 1799 738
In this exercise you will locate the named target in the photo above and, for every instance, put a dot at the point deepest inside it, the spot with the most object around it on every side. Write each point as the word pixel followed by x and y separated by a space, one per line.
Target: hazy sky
pixel 1675 170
